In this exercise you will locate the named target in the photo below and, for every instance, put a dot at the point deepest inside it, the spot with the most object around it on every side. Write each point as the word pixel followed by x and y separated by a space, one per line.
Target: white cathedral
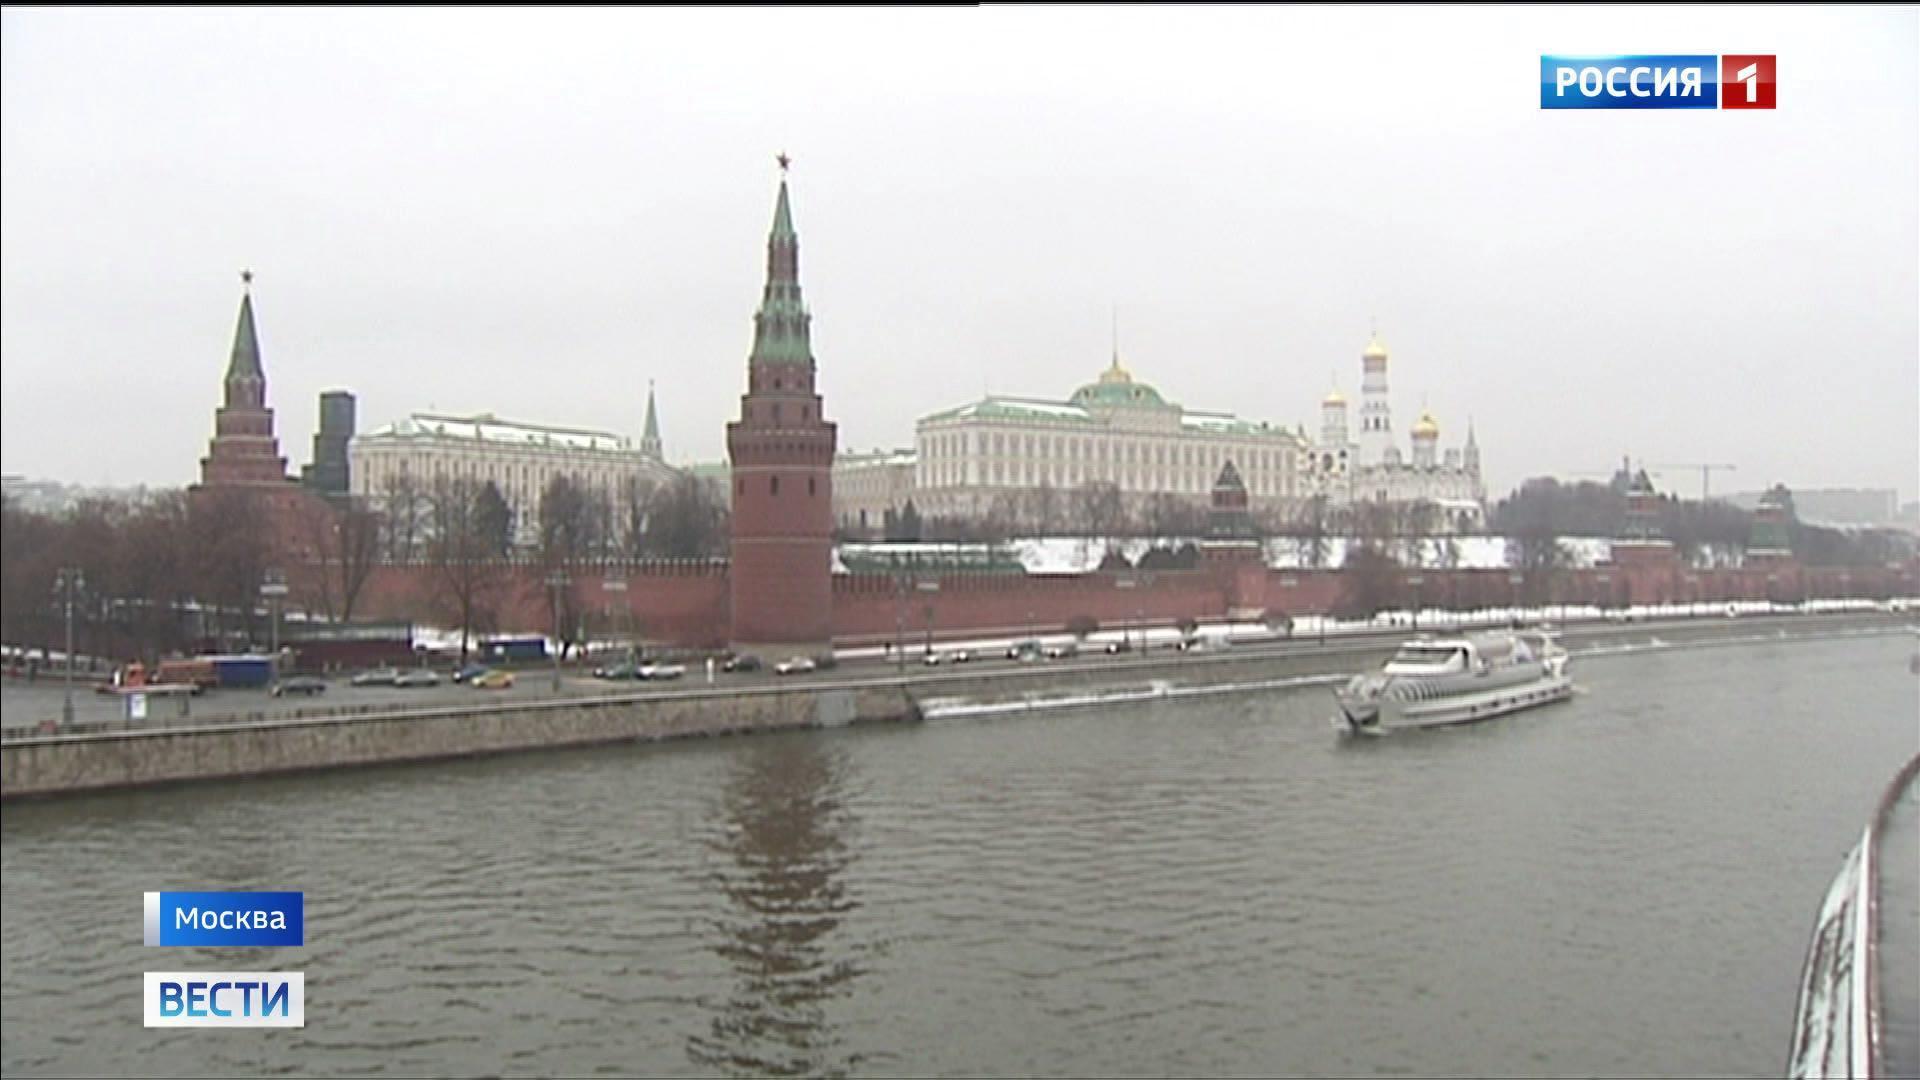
pixel 1372 469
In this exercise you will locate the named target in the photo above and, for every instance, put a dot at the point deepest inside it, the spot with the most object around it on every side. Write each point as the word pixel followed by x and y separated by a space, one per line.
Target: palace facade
pixel 1001 452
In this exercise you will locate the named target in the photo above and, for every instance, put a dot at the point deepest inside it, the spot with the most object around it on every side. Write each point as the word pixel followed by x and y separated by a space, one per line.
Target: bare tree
pixel 407 512
pixel 1311 524
pixel 229 549
pixel 684 521
pixel 345 538
pixel 466 575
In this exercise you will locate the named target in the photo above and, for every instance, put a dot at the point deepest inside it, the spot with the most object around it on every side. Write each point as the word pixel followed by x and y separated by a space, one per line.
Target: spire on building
pixel 781 328
pixel 650 437
pixel 245 362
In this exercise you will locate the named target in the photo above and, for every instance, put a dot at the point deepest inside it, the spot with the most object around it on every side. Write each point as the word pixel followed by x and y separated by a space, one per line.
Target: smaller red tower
pixel 244 450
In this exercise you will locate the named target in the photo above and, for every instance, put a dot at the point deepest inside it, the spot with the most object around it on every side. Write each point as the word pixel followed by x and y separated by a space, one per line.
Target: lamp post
pixel 1515 580
pixel 930 588
pixel 556 581
pixel 609 586
pixel 1415 580
pixel 274 589
pixel 66 584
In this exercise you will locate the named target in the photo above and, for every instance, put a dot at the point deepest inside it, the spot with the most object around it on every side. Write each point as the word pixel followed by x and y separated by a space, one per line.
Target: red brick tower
pixel 782 452
pixel 244 450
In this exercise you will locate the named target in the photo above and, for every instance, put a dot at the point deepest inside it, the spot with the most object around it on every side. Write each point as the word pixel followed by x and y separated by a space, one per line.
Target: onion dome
pixel 1426 427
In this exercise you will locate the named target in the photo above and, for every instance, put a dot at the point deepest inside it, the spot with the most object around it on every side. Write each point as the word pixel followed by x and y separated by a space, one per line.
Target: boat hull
pixel 1380 716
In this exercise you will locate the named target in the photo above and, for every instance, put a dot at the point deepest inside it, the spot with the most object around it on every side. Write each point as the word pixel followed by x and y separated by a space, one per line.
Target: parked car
pixel 1206 643
pixel 470 672
pixel 743 662
pixel 1114 648
pixel 1063 651
pixel 932 659
pixel 300 684
pixel 418 677
pixel 384 676
pixel 1024 650
pixel 493 680
pixel 794 665
pixel 661 671
pixel 961 656
pixel 826 661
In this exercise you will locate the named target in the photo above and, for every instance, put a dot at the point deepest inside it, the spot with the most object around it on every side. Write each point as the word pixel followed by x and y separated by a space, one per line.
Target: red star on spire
pixel 783 159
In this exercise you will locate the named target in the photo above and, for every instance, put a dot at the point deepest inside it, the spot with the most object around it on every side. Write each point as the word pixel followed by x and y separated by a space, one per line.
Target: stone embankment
pixel 58 764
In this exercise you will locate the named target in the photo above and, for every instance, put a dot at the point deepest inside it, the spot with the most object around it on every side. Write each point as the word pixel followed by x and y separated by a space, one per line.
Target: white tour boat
pixel 1433 681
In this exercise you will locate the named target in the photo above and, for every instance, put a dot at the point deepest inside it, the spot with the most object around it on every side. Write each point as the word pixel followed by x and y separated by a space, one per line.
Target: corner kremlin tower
pixel 244 451
pixel 782 451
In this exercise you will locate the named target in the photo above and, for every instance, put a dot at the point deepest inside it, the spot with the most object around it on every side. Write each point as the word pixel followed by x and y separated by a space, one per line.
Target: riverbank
pixel 62 764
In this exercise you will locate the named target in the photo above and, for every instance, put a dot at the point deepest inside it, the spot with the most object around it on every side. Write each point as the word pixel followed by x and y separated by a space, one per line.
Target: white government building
pixel 521 459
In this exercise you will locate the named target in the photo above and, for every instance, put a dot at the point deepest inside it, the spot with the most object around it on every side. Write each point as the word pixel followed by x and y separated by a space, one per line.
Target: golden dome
pixel 1334 397
pixel 1375 350
pixel 1116 373
pixel 1426 427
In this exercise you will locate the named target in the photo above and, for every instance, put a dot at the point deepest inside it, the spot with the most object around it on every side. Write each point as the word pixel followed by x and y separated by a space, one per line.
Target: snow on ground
pixel 1078 555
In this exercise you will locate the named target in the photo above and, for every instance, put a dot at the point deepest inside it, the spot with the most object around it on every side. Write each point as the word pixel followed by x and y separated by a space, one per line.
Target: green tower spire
pixel 245 361
pixel 781 328
pixel 650 438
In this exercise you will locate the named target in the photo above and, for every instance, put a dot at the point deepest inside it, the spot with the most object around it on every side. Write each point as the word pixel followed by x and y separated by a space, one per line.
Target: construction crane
pixel 1705 472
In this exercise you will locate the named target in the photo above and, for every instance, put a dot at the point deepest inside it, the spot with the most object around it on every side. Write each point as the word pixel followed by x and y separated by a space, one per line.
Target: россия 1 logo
pixel 1730 81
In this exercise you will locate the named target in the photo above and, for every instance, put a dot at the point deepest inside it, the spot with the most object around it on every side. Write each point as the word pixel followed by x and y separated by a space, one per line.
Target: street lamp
pixel 556 581
pixel 1415 580
pixel 1515 580
pixel 67 583
pixel 930 588
pixel 274 588
pixel 609 586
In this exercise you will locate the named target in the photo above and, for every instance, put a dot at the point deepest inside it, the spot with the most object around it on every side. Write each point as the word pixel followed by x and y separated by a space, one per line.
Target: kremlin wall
pixel 779 594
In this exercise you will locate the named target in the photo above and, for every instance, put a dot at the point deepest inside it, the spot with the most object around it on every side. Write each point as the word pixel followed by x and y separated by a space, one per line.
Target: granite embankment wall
pixel 59 764
pixel 78 763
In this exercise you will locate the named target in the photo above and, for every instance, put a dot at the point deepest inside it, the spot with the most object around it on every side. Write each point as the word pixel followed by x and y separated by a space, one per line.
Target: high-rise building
pixel 781 449
pixel 330 475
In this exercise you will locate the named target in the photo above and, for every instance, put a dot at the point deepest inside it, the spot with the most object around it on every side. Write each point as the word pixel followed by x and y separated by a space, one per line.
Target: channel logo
pixel 1730 81
pixel 214 919
pixel 274 999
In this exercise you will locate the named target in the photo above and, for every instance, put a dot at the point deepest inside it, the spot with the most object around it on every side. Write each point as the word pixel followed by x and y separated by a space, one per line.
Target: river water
pixel 1621 885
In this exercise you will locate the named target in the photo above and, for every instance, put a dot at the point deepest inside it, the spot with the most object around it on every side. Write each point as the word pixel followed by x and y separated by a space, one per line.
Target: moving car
pixel 932 659
pixel 661 671
pixel 384 676
pixel 1062 652
pixel 1114 648
pixel 743 662
pixel 471 671
pixel 794 665
pixel 1024 650
pixel 300 684
pixel 493 680
pixel 623 670
pixel 961 656
pixel 417 677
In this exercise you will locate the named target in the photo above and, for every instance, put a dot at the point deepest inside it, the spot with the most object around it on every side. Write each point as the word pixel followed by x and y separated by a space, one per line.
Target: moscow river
pixel 1620 885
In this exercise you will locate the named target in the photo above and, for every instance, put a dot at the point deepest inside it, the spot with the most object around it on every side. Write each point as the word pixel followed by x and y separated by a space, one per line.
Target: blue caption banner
pixel 225 918
pixel 1630 82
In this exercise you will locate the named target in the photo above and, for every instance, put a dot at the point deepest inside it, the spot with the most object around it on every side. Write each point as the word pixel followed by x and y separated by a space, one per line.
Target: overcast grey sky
pixel 536 212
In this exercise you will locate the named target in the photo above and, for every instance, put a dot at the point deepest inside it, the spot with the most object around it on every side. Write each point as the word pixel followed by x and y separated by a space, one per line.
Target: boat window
pixel 1425 654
